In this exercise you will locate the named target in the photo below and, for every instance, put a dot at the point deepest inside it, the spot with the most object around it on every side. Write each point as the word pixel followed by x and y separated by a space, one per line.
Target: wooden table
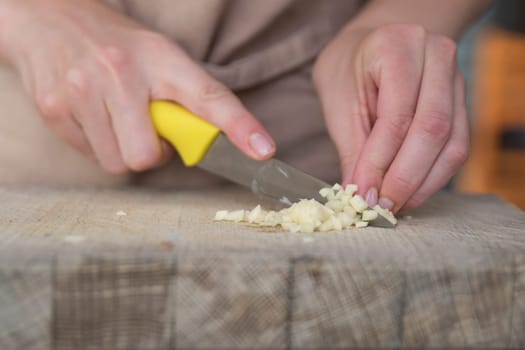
pixel 75 275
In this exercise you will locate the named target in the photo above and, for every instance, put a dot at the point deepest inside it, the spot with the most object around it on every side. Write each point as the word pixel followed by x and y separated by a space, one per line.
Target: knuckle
pixel 457 155
pixel 437 125
pixel 51 108
pixel 76 82
pixel 447 46
pixel 404 185
pixel 399 124
pixel 212 91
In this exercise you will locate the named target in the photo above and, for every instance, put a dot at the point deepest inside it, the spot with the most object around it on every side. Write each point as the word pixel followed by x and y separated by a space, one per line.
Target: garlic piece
pixel 335 204
pixel 327 193
pixel 361 224
pixel 337 188
pixel 221 215
pixel 350 211
pixel 345 219
pixel 358 203
pixel 271 218
pixel 387 214
pixel 369 215
pixel 255 215
pixel 236 216
pixel 350 189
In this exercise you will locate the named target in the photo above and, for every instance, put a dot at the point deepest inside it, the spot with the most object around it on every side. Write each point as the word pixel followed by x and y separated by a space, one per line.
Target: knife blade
pixel 272 178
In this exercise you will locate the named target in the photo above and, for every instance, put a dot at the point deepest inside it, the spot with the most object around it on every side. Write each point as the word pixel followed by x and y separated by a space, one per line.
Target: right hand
pixel 93 72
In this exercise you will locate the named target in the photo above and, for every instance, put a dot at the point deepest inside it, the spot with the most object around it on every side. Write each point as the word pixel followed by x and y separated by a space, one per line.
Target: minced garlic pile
pixel 342 210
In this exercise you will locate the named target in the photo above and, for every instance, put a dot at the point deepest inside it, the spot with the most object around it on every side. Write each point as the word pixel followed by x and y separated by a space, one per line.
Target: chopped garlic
pixel 361 224
pixel 349 210
pixel 256 214
pixel 221 215
pixel 236 216
pixel 387 214
pixel 369 215
pixel 358 203
pixel 344 209
pixel 345 219
pixel 337 188
pixel 327 193
pixel 350 189
pixel 335 205
pixel 271 218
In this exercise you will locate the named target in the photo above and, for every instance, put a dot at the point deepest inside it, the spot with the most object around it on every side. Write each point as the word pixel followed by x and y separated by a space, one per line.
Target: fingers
pixel 118 126
pixel 398 79
pixel 345 107
pixel 453 155
pixel 127 103
pixel 88 108
pixel 189 85
pixel 59 119
pixel 51 101
pixel 431 128
pixel 348 127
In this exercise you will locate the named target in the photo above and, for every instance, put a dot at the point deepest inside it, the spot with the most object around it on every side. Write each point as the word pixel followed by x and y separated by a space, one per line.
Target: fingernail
pixel 386 203
pixel 261 145
pixel 371 197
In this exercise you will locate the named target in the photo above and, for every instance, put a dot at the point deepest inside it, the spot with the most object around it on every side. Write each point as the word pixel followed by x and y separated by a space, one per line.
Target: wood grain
pixel 75 275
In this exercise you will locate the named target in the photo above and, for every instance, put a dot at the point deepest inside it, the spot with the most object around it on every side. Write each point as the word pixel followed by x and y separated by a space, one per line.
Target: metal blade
pixel 271 178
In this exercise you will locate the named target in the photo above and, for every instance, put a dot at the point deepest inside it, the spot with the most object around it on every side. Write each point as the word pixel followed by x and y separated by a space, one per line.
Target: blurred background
pixel 492 56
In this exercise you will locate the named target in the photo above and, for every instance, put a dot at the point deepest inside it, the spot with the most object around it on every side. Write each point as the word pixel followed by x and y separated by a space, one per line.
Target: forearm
pixel 449 18
pixel 8 13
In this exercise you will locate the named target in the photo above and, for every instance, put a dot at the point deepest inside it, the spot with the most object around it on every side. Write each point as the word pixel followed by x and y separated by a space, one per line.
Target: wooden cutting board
pixel 75 275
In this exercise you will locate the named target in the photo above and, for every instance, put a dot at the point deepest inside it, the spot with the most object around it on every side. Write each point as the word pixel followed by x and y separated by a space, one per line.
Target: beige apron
pixel 262 49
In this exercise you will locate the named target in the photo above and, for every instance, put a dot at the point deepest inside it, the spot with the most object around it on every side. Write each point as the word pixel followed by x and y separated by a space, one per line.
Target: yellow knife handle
pixel 190 135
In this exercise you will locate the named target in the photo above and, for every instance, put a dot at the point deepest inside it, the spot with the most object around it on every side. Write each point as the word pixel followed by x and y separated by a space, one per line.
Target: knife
pixel 202 144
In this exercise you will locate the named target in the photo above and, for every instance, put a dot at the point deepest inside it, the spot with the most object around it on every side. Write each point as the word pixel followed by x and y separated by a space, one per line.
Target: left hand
pixel 393 99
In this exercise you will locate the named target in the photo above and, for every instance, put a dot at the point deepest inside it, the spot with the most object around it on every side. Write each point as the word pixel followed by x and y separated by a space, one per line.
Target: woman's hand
pixel 93 72
pixel 393 98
